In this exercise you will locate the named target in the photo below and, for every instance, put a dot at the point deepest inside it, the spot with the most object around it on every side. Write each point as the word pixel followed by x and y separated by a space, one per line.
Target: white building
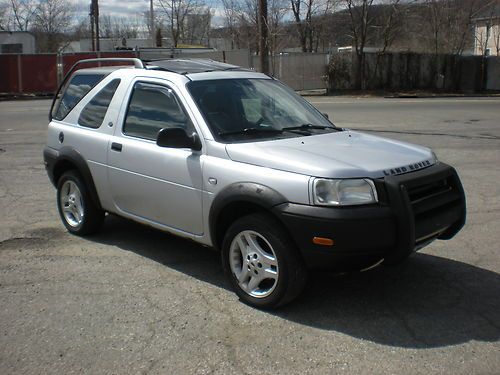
pixel 487 32
pixel 17 42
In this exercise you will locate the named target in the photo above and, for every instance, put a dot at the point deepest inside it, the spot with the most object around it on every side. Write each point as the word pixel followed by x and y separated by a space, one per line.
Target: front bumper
pixel 413 210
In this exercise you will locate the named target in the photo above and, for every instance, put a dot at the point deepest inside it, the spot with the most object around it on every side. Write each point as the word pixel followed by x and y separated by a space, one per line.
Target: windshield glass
pixel 255 109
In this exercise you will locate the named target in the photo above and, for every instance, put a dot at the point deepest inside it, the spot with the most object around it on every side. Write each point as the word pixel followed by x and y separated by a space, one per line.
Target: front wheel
pixel 262 262
pixel 78 212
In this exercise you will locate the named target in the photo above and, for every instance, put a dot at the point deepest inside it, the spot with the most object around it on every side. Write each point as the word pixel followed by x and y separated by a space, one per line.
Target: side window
pixel 78 87
pixel 93 113
pixel 152 108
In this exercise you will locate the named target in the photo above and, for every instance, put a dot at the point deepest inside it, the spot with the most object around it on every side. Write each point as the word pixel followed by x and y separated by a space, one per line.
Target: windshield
pixel 255 109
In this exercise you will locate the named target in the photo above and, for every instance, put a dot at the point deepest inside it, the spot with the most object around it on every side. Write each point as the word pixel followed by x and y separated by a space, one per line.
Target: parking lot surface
pixel 134 300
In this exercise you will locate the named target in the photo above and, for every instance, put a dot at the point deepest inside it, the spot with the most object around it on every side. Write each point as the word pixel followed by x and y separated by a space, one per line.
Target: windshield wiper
pixel 255 130
pixel 252 131
pixel 307 127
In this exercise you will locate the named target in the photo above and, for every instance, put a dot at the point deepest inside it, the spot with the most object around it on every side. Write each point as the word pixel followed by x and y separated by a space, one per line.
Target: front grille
pixel 436 204
pixel 426 204
pixel 433 197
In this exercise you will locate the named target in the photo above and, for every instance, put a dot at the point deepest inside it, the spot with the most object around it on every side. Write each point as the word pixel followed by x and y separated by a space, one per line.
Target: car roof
pixel 191 66
pixel 179 66
pixel 185 69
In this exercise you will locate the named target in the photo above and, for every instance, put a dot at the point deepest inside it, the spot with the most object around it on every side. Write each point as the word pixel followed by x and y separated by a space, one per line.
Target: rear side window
pixel 93 113
pixel 78 87
pixel 152 108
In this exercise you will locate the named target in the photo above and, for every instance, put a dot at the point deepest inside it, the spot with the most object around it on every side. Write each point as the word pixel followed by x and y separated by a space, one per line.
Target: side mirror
pixel 325 115
pixel 178 138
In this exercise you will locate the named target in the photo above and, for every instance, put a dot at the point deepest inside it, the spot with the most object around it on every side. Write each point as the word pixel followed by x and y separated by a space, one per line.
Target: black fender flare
pixel 69 154
pixel 248 192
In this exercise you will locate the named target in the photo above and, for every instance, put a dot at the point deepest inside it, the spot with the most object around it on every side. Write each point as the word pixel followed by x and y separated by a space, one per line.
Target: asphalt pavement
pixel 135 300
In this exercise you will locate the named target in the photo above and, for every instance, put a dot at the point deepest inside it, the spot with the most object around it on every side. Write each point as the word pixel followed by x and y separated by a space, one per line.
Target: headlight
pixel 347 192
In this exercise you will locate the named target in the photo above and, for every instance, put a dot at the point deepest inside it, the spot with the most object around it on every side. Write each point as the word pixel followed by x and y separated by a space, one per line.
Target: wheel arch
pixel 238 200
pixel 69 159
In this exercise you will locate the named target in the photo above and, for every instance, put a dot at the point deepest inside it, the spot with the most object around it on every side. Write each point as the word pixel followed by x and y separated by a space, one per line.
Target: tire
pixel 78 212
pixel 262 262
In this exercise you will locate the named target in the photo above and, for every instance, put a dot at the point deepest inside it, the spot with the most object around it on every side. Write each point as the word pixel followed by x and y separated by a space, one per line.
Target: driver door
pixel 159 184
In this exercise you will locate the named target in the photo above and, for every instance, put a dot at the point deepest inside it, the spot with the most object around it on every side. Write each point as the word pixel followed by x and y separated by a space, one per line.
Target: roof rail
pixel 138 64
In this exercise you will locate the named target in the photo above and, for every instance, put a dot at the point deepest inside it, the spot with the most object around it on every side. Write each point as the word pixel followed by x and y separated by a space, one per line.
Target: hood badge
pixel 407 168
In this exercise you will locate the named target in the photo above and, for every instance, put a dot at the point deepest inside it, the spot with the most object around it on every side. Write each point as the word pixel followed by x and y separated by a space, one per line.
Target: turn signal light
pixel 323 241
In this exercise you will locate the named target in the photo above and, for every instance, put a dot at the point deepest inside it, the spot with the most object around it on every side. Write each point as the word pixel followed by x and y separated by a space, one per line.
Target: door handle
pixel 116 146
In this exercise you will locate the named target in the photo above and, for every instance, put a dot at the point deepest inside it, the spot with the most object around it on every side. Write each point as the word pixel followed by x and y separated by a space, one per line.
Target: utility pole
pixel 96 16
pixel 263 44
pixel 94 24
pixel 152 24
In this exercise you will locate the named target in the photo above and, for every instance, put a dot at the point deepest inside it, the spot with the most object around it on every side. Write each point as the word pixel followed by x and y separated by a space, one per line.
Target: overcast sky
pixel 136 8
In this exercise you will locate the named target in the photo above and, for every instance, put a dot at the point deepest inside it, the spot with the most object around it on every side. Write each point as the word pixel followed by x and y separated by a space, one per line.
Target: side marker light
pixel 323 241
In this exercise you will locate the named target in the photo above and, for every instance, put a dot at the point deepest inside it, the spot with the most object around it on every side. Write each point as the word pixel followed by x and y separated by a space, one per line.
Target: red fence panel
pixel 68 60
pixel 39 73
pixel 8 74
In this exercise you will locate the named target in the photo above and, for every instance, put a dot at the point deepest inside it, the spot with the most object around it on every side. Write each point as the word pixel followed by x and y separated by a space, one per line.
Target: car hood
pixel 341 154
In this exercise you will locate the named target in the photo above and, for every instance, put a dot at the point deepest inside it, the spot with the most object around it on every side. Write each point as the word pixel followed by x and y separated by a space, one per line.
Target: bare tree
pixel 277 11
pixel 176 12
pixel 249 23
pixel 390 24
pixel 81 29
pixel 302 28
pixel 359 11
pixel 496 38
pixel 445 22
pixel 53 19
pixel 17 14
pixel 118 27
pixel 366 24
pixel 232 18
pixel 466 13
pixel 197 28
pixel 306 13
pixel 487 30
pixel 448 24
pixel 24 13
pixel 158 23
pixel 105 26
pixel 483 36
pixel 4 16
pixel 241 19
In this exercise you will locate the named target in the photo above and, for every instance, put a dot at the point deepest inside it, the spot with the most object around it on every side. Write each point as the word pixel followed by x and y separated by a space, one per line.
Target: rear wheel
pixel 263 264
pixel 79 214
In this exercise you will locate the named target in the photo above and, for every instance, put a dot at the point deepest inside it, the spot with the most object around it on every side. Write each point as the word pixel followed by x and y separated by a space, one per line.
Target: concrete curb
pixel 5 97
pixel 413 95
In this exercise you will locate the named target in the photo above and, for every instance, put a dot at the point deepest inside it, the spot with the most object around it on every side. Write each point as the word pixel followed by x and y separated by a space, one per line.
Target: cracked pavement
pixel 133 300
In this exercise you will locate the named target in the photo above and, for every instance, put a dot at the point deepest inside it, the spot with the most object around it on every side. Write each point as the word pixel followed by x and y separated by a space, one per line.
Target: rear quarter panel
pixel 91 144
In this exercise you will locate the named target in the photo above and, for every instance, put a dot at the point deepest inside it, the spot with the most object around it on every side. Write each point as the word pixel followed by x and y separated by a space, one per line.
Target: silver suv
pixel 237 161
